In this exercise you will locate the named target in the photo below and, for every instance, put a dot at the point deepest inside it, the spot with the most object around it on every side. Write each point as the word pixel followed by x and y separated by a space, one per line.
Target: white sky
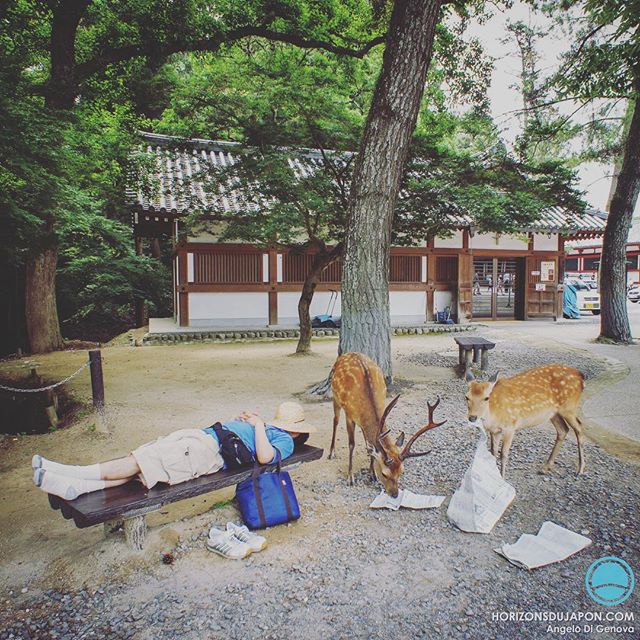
pixel 595 179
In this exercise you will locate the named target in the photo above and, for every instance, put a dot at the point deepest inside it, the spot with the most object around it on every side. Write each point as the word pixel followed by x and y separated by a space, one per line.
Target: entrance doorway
pixel 495 285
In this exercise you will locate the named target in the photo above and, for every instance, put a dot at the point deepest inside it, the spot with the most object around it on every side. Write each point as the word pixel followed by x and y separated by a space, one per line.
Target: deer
pixel 528 399
pixel 359 388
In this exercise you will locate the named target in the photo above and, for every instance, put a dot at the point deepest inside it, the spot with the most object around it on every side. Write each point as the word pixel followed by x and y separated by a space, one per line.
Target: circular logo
pixel 609 581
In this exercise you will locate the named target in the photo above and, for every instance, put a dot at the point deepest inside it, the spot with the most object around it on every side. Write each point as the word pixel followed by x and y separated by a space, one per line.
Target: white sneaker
pixel 227 545
pixel 256 542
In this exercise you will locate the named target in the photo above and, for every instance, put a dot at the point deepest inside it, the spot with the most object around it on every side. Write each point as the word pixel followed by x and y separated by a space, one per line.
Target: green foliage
pixel 599 71
pixel 62 181
pixel 461 167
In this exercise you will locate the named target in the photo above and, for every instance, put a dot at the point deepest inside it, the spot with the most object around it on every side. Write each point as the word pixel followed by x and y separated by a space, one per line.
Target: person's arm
pixel 264 451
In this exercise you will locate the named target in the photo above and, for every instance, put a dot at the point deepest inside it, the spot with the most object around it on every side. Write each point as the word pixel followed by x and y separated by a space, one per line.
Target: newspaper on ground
pixel 553 543
pixel 483 495
pixel 406 499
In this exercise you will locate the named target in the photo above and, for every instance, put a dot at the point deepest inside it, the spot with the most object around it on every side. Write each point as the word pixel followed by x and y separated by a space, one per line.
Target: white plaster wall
pixel 408 306
pixel 453 242
pixel 228 309
pixel 442 300
pixel 288 306
pixel 505 241
pixel 541 242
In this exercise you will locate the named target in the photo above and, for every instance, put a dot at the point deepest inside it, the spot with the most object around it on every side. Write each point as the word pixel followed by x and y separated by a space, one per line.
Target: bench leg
pixel 484 359
pixel 135 530
pixel 468 356
pixel 476 354
pixel 460 355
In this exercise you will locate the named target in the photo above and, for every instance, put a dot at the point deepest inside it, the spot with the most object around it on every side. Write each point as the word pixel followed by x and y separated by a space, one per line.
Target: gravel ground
pixel 344 571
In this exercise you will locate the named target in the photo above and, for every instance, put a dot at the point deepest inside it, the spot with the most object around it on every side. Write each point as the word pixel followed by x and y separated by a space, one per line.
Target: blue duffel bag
pixel 267 498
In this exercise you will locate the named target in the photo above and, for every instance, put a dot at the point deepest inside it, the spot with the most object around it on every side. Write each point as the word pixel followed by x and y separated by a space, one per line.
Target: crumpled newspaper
pixel 483 495
pixel 406 499
pixel 552 543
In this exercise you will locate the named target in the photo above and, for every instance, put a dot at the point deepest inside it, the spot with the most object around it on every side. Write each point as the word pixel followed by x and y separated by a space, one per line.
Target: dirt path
pixel 317 573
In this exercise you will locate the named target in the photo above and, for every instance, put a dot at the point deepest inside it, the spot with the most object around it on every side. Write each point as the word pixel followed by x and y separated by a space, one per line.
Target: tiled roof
pixel 180 162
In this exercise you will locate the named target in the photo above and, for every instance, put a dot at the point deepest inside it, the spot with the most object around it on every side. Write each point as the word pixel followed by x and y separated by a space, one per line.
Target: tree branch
pixel 120 54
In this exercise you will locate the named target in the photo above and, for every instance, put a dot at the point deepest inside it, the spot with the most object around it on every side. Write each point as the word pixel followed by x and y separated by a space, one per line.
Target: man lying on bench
pixel 184 454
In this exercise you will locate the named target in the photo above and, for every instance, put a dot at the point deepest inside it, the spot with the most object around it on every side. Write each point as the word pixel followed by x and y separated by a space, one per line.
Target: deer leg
pixel 372 471
pixel 336 419
pixel 561 433
pixel 507 439
pixel 494 445
pixel 576 424
pixel 351 433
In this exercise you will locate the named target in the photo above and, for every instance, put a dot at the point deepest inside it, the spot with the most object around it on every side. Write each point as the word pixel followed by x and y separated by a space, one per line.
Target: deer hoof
pixel 351 481
pixel 546 469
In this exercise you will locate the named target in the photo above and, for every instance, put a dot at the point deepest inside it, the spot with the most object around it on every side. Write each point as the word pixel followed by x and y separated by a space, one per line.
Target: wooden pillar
pixel 273 286
pixel 431 278
pixel 183 287
pixel 140 304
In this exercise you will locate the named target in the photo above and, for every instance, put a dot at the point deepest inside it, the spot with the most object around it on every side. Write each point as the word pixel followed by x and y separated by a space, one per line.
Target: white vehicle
pixel 633 293
pixel 588 299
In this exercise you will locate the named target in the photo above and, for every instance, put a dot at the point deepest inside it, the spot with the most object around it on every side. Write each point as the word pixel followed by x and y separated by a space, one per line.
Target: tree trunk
pixel 614 320
pixel 308 289
pixel 384 147
pixel 42 324
pixel 41 312
pixel 63 88
pixel 320 262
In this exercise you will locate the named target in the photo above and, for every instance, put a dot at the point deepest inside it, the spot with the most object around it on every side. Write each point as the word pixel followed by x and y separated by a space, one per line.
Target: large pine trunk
pixel 41 311
pixel 614 320
pixel 384 147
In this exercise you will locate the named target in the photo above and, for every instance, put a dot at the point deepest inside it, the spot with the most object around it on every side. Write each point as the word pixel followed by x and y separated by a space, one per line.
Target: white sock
pixel 88 472
pixel 64 486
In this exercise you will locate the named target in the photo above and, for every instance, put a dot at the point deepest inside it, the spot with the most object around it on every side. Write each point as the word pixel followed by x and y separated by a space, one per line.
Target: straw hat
pixel 290 417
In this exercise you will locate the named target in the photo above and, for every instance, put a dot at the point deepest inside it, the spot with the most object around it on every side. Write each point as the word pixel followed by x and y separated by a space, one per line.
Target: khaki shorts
pixel 180 456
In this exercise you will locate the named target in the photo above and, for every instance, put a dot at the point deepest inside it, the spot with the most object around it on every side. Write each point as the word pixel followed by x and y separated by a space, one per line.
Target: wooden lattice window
pixel 227 268
pixel 571 264
pixel 405 269
pixel 295 268
pixel 446 268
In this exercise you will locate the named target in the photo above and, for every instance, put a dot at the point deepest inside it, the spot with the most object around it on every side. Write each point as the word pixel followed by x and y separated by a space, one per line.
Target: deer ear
pixel 494 377
pixel 400 440
pixel 468 376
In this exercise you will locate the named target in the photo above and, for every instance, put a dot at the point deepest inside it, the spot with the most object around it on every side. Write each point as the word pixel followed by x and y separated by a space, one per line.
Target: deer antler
pixel 382 435
pixel 406 452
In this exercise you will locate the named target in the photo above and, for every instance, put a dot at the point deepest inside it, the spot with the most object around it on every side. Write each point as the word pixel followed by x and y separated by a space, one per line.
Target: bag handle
pixel 257 470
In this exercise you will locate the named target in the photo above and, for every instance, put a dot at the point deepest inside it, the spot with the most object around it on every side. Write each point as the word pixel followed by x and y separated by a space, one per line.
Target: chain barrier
pixel 51 386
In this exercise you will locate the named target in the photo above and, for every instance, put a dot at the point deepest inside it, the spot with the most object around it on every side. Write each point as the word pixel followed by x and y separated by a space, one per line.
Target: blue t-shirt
pixel 280 440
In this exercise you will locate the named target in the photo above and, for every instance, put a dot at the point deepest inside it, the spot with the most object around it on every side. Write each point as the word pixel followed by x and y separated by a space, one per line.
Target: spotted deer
pixel 359 388
pixel 526 400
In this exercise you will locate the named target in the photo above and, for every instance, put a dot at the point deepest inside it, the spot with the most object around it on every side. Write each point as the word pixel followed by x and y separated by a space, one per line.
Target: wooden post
pixel 97 381
pixel 484 359
pixel 140 304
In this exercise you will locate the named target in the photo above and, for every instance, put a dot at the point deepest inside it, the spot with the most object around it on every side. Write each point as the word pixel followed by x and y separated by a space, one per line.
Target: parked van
pixel 588 299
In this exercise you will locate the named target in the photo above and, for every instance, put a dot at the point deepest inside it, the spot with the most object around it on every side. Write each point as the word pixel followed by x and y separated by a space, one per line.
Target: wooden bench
pixel 474 349
pixel 129 503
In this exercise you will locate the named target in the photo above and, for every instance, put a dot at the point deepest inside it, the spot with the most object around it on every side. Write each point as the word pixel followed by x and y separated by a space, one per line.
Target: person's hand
pixel 251 417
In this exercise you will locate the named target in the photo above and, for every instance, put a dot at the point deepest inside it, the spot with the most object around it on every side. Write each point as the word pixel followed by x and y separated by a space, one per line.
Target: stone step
pixel 240 335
